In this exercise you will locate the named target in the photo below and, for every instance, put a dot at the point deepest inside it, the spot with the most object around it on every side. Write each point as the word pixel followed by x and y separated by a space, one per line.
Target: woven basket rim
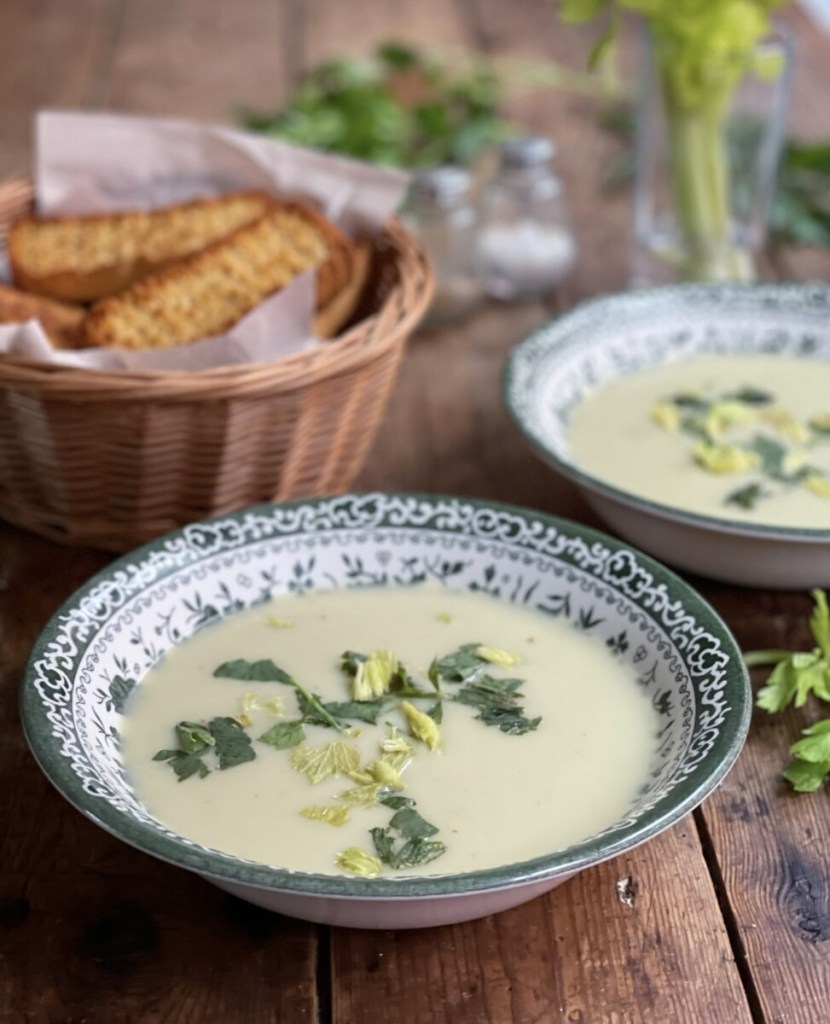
pixel 404 306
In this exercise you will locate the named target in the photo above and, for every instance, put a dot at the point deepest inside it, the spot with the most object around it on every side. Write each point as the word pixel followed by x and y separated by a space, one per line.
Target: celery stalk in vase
pixel 702 49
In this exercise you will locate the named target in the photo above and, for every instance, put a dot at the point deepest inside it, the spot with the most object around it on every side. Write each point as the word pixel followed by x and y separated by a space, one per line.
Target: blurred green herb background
pixel 404 107
pixel 801 207
pixel 399 108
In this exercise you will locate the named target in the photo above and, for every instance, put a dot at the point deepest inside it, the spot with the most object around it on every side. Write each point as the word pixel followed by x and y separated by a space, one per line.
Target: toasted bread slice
pixel 80 259
pixel 208 292
pixel 59 320
pixel 336 314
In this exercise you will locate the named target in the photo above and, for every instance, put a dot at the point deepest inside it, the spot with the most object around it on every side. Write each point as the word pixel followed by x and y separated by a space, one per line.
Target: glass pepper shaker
pixel 440 211
pixel 526 245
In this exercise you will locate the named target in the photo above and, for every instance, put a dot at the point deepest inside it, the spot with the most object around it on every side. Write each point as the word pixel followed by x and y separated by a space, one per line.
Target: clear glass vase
pixel 705 175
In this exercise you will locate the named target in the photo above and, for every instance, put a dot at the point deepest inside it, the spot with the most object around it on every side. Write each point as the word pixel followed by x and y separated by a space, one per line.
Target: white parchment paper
pixel 100 163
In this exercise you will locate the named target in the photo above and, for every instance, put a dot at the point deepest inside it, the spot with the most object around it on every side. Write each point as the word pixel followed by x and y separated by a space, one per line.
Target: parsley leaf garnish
pixel 183 764
pixel 436 712
pixel 461 665
pixel 378 680
pixel 410 824
pixel 350 661
pixel 266 671
pixel 497 703
pixel 394 800
pixel 222 738
pixel 318 713
pixel 772 455
pixel 691 402
pixel 193 737
pixel 746 497
pixel 409 854
pixel 751 396
pixel 497 700
pixel 284 735
pixel 694 428
pixel 231 743
pixel 406 841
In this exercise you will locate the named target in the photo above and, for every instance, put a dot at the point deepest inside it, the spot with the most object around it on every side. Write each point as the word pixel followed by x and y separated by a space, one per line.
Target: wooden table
pixel 723 918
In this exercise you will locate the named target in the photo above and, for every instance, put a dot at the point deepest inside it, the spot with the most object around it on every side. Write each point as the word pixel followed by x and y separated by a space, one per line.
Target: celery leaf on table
pixel 796 677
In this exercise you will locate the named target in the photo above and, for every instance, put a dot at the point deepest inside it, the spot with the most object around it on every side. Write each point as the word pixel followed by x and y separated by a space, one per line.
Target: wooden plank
pixel 449 385
pixel 638 939
pixel 101 931
pixel 355 30
pixel 201 59
pixel 52 54
pixel 771 844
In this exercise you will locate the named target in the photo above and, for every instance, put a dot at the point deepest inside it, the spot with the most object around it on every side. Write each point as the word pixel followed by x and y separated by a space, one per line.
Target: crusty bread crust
pixel 207 292
pixel 340 309
pixel 59 320
pixel 81 259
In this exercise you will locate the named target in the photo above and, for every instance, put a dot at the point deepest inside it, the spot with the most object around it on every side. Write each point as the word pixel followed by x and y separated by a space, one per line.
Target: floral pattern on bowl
pixel 97 647
pixel 550 372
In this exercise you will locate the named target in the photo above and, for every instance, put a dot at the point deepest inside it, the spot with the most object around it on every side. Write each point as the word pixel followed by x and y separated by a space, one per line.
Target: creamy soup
pixel 562 745
pixel 744 437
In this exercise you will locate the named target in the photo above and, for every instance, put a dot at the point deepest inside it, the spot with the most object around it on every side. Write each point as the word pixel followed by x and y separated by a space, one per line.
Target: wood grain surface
pixel 723 919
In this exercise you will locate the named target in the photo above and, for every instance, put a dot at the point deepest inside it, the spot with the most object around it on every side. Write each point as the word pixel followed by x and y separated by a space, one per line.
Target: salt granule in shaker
pixel 439 210
pixel 525 241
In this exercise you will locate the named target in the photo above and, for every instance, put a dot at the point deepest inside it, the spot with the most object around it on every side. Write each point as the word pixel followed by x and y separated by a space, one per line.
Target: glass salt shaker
pixel 526 245
pixel 440 211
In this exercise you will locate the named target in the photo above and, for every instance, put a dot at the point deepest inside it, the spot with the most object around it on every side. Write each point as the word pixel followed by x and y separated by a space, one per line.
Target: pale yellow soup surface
pixel 614 436
pixel 495 798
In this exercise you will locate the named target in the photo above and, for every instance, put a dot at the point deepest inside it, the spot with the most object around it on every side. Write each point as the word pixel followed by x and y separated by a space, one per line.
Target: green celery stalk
pixel 700 178
pixel 702 49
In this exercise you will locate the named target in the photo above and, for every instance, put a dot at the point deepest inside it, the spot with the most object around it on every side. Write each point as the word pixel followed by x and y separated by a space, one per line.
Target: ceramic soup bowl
pixel 594 345
pixel 96 649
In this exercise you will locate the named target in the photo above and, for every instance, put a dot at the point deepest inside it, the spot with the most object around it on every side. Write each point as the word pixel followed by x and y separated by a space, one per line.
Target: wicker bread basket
pixel 111 460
